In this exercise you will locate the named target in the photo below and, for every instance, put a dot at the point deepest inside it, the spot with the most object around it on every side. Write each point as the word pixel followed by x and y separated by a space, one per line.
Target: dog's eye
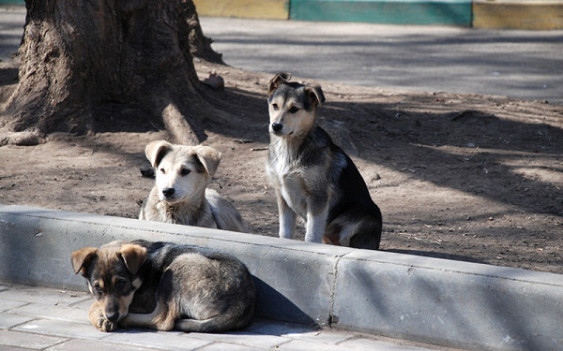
pixel 122 286
pixel 275 107
pixel 98 289
pixel 184 172
pixel 293 109
pixel 162 170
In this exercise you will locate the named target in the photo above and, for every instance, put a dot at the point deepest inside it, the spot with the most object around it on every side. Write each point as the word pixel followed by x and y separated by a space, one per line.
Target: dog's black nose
pixel 112 317
pixel 168 192
pixel 276 127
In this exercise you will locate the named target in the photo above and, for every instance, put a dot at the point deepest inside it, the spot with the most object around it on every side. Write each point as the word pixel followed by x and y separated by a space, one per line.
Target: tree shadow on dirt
pixel 491 150
pixel 468 150
pixel 475 152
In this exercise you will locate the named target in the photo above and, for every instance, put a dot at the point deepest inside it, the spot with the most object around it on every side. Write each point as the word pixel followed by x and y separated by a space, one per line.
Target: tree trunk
pixel 90 66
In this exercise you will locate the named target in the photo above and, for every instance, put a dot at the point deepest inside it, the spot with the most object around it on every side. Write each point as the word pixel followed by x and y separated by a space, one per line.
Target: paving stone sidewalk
pixel 37 318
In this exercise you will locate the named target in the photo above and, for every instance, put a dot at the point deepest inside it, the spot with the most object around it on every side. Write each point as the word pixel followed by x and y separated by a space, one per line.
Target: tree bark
pixel 89 66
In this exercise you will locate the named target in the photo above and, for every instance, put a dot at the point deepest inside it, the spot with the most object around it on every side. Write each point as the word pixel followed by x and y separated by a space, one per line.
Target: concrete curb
pixel 431 300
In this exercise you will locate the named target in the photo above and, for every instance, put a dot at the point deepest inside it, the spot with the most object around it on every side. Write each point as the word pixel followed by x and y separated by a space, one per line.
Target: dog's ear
pixel 133 256
pixel 82 258
pixel 314 95
pixel 275 82
pixel 209 157
pixel 156 150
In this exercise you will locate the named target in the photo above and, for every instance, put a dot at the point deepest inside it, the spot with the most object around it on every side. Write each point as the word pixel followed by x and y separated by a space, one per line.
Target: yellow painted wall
pixel 265 9
pixel 518 14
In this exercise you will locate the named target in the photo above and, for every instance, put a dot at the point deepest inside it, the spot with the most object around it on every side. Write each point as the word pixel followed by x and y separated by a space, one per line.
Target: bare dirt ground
pixel 463 177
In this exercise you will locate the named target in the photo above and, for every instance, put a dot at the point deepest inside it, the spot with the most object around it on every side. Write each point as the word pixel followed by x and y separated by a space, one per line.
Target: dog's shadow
pixel 272 304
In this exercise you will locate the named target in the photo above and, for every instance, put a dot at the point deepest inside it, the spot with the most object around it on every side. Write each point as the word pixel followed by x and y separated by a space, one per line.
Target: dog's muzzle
pixel 277 127
pixel 168 192
pixel 112 317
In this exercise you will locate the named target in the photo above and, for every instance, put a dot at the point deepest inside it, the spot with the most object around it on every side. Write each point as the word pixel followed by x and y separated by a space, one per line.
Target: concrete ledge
pixel 518 14
pixel 451 303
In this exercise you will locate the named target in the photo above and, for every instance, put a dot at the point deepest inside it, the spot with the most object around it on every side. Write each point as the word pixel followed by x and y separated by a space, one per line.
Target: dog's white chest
pixel 293 192
pixel 291 186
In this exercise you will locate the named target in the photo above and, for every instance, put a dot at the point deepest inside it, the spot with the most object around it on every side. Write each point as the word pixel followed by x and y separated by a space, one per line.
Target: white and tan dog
pixel 180 194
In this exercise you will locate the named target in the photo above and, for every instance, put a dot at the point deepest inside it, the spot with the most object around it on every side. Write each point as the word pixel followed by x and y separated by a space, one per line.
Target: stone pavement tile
pixel 382 343
pixel 355 343
pixel 45 296
pixel 59 312
pixel 268 327
pixel 27 340
pixel 243 338
pixel 7 304
pixel 302 332
pixel 85 304
pixel 304 345
pixel 370 344
pixel 232 347
pixel 165 340
pixel 13 348
pixel 77 344
pixel 10 320
pixel 62 328
pixel 324 336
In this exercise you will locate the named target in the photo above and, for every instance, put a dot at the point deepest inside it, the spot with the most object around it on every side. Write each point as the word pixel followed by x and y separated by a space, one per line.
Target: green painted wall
pixel 440 12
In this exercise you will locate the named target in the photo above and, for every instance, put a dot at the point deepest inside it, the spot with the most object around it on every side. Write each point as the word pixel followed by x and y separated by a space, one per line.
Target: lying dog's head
pixel 182 172
pixel 111 273
pixel 292 106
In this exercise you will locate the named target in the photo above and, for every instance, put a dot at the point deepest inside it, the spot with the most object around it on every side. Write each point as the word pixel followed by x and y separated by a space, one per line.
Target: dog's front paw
pixel 105 325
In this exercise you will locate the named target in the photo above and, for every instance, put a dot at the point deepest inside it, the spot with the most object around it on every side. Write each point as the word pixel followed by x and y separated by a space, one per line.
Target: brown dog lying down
pixel 165 286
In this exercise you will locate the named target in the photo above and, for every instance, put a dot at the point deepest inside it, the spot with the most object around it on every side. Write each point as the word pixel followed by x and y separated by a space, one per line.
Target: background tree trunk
pixel 90 66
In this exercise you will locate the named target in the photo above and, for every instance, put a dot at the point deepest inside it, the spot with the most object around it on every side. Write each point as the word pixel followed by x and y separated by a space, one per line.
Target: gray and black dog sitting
pixel 313 177
pixel 165 286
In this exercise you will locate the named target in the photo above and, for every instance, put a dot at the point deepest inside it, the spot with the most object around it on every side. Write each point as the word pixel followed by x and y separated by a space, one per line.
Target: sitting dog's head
pixel 182 172
pixel 111 273
pixel 292 106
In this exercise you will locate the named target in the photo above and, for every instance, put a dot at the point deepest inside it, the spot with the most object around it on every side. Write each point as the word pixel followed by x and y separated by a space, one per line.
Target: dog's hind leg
pixel 196 325
pixel 367 237
pixel 220 323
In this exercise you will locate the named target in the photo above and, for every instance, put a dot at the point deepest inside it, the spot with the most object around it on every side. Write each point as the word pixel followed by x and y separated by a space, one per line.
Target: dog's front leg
pixel 98 320
pixel 317 214
pixel 316 225
pixel 288 218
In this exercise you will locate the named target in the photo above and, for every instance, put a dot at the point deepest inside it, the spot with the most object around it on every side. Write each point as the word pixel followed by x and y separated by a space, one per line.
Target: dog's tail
pixel 221 323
